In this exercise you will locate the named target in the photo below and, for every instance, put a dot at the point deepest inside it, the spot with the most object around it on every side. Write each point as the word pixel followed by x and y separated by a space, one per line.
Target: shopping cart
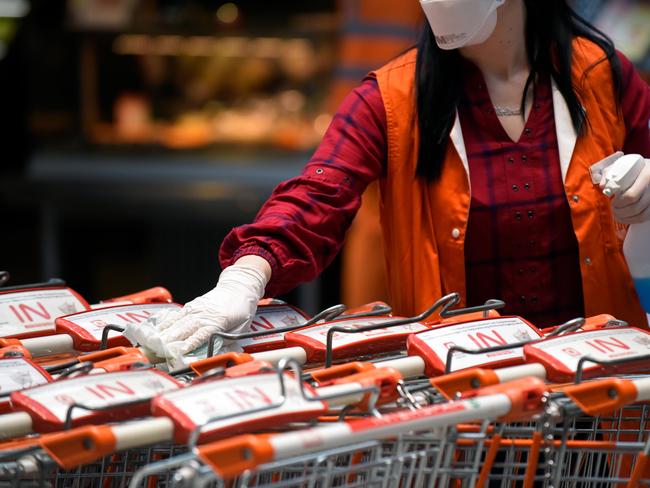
pixel 431 446
pixel 404 412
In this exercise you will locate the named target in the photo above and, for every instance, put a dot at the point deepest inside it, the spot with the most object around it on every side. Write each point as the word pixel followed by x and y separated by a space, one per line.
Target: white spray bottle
pixel 618 173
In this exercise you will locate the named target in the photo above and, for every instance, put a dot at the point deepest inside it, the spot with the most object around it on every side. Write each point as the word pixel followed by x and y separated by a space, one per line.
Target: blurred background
pixel 136 133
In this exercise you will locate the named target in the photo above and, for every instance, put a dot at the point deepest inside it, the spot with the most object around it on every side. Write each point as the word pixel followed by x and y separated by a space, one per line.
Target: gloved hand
pixel 229 307
pixel 632 205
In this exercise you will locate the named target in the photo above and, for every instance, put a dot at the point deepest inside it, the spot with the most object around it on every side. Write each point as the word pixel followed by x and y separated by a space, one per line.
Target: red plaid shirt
pixel 301 228
pixel 520 245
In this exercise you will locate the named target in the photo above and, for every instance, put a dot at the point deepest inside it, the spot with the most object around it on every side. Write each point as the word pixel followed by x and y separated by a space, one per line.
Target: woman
pixel 482 138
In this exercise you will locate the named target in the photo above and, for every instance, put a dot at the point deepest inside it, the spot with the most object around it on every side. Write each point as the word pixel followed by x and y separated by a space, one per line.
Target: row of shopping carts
pixel 346 398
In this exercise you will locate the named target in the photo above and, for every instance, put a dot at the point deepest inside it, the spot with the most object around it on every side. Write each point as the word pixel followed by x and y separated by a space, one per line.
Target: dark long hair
pixel 551 26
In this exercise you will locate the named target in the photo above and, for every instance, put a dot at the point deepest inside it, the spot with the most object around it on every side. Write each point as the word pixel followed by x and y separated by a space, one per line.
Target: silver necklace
pixel 506 111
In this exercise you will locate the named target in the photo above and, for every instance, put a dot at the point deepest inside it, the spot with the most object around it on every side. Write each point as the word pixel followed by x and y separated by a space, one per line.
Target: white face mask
pixel 458 23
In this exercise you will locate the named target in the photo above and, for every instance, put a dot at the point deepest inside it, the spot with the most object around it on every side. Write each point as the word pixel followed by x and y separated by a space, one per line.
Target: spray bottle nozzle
pixel 621 174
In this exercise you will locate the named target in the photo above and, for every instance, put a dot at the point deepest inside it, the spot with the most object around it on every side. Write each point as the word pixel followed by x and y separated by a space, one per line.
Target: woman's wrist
pixel 257 262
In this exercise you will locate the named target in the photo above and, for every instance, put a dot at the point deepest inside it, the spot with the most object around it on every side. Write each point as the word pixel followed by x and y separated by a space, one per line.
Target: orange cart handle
pixel 157 294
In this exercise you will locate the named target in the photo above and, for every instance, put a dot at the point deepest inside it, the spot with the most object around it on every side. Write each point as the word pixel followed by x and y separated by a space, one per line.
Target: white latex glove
pixel 229 307
pixel 632 206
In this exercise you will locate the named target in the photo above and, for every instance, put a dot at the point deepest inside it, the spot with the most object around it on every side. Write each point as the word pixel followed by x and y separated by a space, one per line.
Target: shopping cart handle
pixel 157 294
pixel 84 445
pixel 253 367
pixel 225 360
pixel 325 376
pixel 112 353
pixel 602 396
pixel 79 446
pixel 527 396
pixel 232 457
pixel 451 384
pixel 385 379
pixel 124 363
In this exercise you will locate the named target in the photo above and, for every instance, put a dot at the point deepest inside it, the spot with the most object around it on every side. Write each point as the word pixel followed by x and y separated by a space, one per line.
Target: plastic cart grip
pixel 385 379
pixel 526 397
pixel 327 375
pixel 157 294
pixel 80 446
pixel 602 396
pixel 453 383
pixel 13 351
pixel 600 321
pixel 10 342
pixel 247 369
pixel 122 363
pixel 112 353
pixel 232 457
pixel 225 360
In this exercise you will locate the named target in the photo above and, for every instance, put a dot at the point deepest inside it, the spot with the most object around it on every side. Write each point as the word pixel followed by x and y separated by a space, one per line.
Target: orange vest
pixel 424 224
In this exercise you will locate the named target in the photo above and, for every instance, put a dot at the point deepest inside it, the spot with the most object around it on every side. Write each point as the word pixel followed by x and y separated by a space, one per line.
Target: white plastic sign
pixel 340 339
pixel 564 352
pixel 269 318
pixel 19 374
pixel 51 401
pixel 33 312
pixel 434 344
pixel 90 325
pixel 197 405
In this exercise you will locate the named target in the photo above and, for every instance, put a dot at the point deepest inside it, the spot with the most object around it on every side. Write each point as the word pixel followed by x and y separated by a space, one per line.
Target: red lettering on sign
pixel 108 391
pixel 261 323
pixel 249 398
pixel 483 340
pixel 27 311
pixel 118 387
pixel 13 309
pixel 605 346
pixel 134 318
pixel 92 390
